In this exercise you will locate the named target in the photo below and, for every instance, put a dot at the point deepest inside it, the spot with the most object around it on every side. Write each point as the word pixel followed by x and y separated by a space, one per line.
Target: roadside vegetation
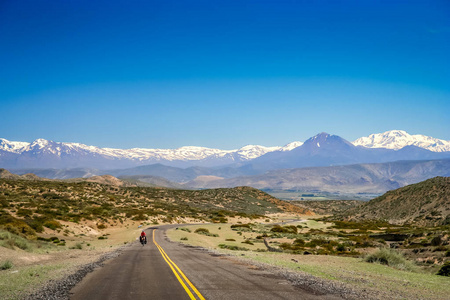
pixel 45 225
pixel 85 219
pixel 387 260
pixel 27 208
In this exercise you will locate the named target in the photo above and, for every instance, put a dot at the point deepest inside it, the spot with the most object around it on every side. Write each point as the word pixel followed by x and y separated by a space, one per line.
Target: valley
pixel 44 223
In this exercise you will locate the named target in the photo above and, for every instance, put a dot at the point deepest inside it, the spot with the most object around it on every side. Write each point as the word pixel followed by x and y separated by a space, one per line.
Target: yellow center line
pixel 173 266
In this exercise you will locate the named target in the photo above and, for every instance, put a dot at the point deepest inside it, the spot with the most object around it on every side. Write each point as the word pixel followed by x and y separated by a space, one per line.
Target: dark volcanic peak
pixel 325 140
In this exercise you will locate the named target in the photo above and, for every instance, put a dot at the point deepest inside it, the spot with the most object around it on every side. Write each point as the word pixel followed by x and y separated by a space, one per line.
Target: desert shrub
pixel 444 270
pixel 184 239
pixel 361 241
pixel 440 248
pixel 436 241
pixel 240 226
pixel 231 247
pixel 6 265
pixel 247 242
pixel 52 224
pixel 77 246
pixel 205 231
pixel 185 229
pixel 37 224
pixel 101 226
pixel 219 220
pixel 284 229
pixel 391 258
pixel 11 240
pixel 23 212
pixel 341 248
pixel 102 237
pixel 230 240
pixel 365 225
pixel 14 225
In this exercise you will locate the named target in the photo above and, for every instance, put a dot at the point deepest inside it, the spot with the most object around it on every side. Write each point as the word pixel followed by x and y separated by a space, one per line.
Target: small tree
pixel 444 270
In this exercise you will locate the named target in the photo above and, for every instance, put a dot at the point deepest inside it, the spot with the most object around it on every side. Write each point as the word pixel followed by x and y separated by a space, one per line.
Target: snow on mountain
pixel 10 146
pixel 253 151
pixel 187 153
pixel 291 146
pixel 397 139
pixel 43 153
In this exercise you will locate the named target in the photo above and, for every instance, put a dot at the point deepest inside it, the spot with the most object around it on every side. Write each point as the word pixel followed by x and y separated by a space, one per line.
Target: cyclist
pixel 143 238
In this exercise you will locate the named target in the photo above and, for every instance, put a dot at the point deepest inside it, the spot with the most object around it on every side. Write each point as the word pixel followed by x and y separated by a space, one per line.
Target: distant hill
pixel 150 181
pixel 357 178
pixel 103 179
pixel 5 174
pixel 22 203
pixel 125 181
pixel 52 173
pixel 426 203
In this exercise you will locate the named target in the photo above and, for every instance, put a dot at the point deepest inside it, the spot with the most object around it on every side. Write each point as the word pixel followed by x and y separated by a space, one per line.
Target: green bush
pixel 230 247
pixel 77 246
pixel 101 226
pixel 341 248
pixel 444 270
pixel 184 239
pixel 6 265
pixel 285 229
pixel 201 231
pixel 239 226
pixel 11 240
pixel 52 224
pixel 205 231
pixel 185 229
pixel 436 241
pixel 390 258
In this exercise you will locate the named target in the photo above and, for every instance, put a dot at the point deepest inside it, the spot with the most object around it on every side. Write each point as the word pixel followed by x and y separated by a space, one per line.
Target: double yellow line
pixel 178 273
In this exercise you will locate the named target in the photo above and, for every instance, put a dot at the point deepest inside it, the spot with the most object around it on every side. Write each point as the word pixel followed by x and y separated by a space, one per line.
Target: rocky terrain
pixel 426 203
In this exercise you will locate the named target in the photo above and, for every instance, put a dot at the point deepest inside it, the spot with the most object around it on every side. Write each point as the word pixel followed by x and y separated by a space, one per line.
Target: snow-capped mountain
pixel 397 139
pixel 43 153
pixel 15 147
pixel 321 150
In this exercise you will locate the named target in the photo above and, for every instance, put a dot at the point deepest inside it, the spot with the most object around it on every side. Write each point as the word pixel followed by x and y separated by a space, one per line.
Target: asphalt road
pixel 167 270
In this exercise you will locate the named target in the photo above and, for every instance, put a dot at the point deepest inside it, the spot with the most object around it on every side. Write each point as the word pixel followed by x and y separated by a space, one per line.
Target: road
pixel 168 270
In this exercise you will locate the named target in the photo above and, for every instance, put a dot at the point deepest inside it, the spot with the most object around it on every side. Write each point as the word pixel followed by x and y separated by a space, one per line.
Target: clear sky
pixel 222 74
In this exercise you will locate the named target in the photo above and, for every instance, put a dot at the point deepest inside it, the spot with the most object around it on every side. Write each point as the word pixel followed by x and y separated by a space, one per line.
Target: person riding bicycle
pixel 143 237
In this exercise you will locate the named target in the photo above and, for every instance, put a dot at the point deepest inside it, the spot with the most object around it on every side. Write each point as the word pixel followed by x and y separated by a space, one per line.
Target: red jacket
pixel 143 233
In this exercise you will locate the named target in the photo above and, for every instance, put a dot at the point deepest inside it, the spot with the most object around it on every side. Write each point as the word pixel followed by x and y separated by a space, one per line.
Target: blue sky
pixel 222 74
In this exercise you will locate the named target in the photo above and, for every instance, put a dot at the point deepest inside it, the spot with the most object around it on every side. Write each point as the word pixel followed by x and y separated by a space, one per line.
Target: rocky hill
pixel 27 206
pixel 5 174
pixel 426 203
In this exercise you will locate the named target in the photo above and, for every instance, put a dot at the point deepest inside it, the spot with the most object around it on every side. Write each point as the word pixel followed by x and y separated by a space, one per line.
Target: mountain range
pixel 321 150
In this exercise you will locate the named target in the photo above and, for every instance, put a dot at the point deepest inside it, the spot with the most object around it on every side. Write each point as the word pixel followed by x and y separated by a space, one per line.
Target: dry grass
pixel 380 281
